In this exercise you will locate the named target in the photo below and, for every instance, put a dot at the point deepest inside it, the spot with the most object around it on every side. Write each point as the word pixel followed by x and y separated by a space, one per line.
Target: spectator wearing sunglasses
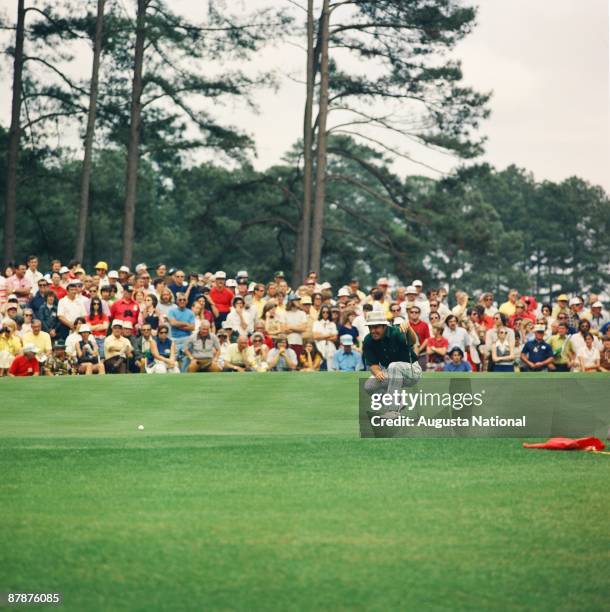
pixel 126 308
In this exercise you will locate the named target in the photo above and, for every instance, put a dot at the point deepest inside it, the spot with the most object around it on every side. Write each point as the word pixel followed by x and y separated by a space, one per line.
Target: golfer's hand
pixel 380 376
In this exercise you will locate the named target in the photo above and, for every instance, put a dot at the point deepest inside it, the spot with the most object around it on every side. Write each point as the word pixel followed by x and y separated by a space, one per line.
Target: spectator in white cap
pixel 343 295
pixel 25 364
pixel 113 283
pixel 410 297
pixel 64 273
pixel 346 357
pixel 596 316
pixel 222 297
pixel 141 267
pixel 117 349
pixel 383 284
pixel 420 296
pixel 87 356
pixel 576 311
pixel 124 274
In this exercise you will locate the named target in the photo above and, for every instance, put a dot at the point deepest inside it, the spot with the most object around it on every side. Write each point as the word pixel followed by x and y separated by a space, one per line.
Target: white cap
pixel 220 274
pixel 346 339
pixel 417 283
pixel 325 285
pixel 117 322
pixel 127 325
pixel 376 317
pixel 12 298
pixel 383 281
pixel 64 269
pixel 574 301
pixel 30 348
pixel 242 274
pixel 410 289
pixel 84 328
pixel 141 267
pixel 597 304
pixel 226 325
pixel 539 328
pixel 343 292
pixel 113 274
pixel 231 282
pixel 124 269
pixel 47 277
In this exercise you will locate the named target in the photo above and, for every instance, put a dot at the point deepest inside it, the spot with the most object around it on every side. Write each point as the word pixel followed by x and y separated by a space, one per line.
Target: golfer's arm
pixel 375 370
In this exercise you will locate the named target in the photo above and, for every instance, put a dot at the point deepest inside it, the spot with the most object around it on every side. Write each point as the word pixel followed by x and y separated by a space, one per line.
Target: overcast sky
pixel 546 62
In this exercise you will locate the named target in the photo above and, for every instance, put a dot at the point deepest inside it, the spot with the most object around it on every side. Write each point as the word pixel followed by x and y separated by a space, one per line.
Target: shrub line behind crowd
pixel 68 322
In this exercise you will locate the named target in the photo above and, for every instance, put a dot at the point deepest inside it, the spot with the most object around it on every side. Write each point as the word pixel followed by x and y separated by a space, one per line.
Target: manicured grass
pixel 254 492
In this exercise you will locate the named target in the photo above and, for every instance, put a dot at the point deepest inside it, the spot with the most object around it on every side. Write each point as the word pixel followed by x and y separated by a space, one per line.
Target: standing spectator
pixel 166 302
pixel 150 315
pixel 510 306
pixel 69 309
pixel 456 336
pixel 25 364
pixel 310 359
pixel 101 274
pixel 561 307
pixel 282 358
pixel 126 308
pixel 182 323
pixel 178 284
pixel 325 334
pixel 436 349
pixel 487 301
pixel 203 351
pixel 19 284
pixel 589 356
pixel 3 292
pixel 559 343
pixel 457 362
pixel 295 321
pixel 98 322
pixel 274 322
pixel 221 296
pixel 536 354
pixel 117 349
pixel 503 353
pixel 258 299
pixel 575 312
pixel 163 350
pixel 240 318
pixel 347 326
pixel 47 314
pixel 596 316
pixel 56 286
pixel 422 330
pixel 346 358
pixel 32 274
pixel 38 299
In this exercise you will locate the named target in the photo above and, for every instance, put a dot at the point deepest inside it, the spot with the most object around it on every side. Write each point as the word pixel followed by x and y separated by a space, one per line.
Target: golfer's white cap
pixel 575 300
pixel 376 317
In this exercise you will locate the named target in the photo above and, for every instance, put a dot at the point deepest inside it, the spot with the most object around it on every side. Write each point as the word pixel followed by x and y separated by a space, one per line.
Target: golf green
pixel 254 492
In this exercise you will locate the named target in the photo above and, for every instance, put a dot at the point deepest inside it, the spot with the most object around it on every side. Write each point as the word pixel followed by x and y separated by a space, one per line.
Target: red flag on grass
pixel 569 444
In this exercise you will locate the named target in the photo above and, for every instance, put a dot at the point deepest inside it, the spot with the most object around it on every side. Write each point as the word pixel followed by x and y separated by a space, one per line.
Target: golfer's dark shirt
pixel 392 346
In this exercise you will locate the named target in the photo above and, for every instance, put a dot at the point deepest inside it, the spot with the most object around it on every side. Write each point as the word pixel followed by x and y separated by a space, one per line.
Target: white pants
pixel 159 367
pixel 398 374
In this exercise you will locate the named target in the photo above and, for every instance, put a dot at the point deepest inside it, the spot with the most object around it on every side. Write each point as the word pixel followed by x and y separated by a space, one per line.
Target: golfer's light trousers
pixel 398 374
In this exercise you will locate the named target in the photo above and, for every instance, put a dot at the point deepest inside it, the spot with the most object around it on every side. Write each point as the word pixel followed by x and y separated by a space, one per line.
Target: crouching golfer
pixel 389 354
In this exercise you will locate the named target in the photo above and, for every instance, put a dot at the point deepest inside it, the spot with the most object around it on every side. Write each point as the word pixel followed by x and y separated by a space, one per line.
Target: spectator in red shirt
pixel 26 364
pixel 520 313
pixel 422 330
pixel 126 308
pixel 436 349
pixel 222 297
pixel 56 286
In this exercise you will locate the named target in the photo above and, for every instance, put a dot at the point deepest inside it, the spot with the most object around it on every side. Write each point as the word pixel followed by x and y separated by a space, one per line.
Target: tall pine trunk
pixel 129 213
pixel 320 190
pixel 89 134
pixel 14 137
pixel 303 245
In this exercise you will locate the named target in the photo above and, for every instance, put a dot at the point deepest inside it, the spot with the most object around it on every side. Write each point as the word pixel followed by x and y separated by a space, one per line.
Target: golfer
pixel 388 351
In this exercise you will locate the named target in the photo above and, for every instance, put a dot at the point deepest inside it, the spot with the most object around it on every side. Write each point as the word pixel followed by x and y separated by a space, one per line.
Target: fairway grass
pixel 254 492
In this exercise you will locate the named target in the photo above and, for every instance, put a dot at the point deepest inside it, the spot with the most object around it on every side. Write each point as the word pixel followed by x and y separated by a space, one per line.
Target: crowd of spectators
pixel 67 322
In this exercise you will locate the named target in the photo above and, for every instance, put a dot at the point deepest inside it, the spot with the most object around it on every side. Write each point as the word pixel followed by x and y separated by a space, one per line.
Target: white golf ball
pixel 140 427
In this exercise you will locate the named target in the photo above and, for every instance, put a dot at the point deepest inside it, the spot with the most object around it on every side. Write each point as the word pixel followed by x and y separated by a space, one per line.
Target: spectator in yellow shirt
pixel 510 306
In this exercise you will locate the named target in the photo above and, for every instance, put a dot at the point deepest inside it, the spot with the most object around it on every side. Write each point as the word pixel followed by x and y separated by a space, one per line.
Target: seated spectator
pixel 87 355
pixel 241 356
pixel 60 364
pixel 596 316
pixel 117 350
pixel 225 346
pixel 221 296
pixel 10 346
pixel 457 362
pixel 436 349
pixel 347 326
pixel 589 356
pixel 310 359
pixel 182 325
pixel 563 318
pixel 142 349
pixel 74 337
pixel 282 358
pixel 25 364
pixel 503 353
pixel 260 352
pixel 162 359
pixel 203 351
pixel 577 342
pixel 510 306
pixel 347 358
pixel 604 359
pixel 536 354
pixel 40 339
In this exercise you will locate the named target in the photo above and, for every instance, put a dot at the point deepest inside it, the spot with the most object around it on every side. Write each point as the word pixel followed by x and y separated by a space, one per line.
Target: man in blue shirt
pixel 182 322
pixel 347 359
pixel 537 354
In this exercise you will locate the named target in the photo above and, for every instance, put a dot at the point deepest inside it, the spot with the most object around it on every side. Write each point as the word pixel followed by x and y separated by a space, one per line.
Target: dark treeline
pixel 158 89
